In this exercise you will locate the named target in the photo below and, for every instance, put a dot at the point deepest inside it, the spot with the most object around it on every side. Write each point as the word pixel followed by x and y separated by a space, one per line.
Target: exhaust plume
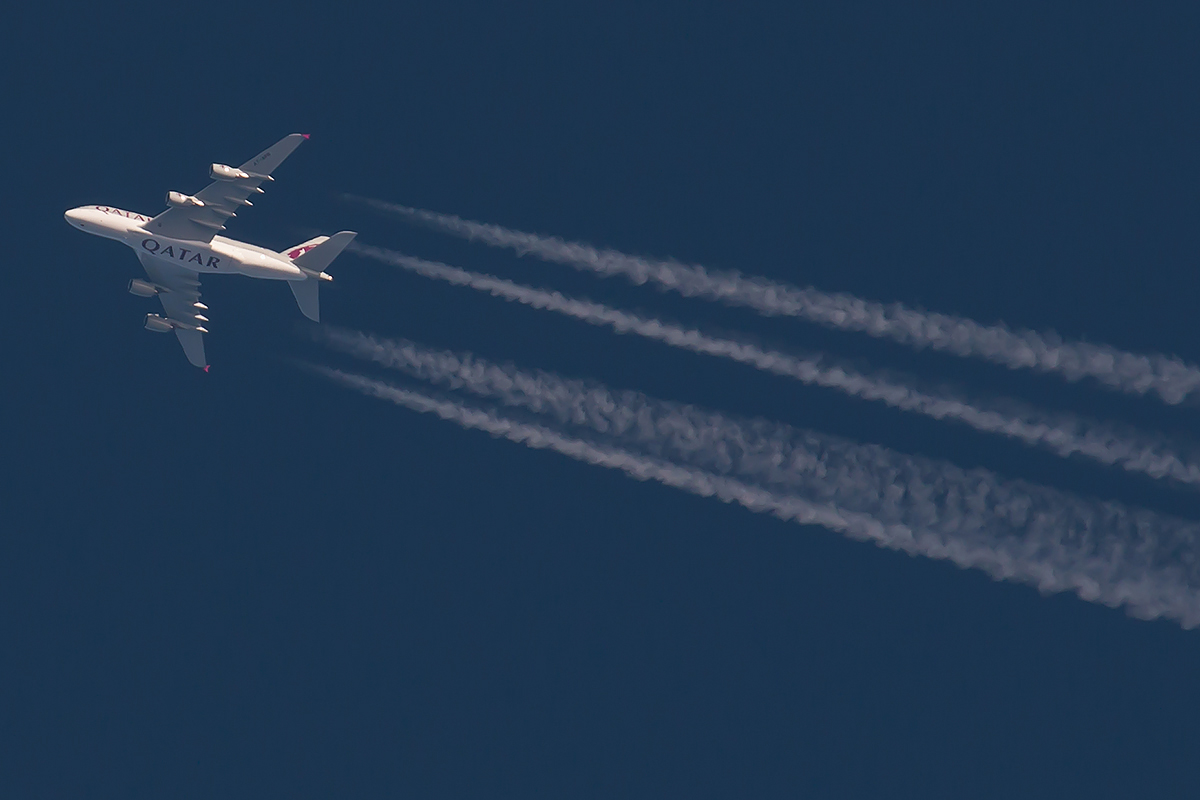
pixel 1167 376
pixel 1062 434
pixel 1012 530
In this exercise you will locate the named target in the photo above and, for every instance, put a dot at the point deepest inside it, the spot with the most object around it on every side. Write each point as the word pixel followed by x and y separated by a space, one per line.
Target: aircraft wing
pixel 223 198
pixel 179 292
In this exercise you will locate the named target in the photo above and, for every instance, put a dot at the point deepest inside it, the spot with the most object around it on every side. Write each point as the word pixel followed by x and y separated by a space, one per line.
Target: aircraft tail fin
pixel 312 257
pixel 295 252
pixel 316 256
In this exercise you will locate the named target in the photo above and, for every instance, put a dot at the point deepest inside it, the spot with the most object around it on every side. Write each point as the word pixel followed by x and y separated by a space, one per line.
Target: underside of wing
pixel 179 292
pixel 193 347
pixel 200 217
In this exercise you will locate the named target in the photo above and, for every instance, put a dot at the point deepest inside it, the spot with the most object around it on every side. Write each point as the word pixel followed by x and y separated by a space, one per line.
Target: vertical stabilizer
pixel 295 252
pixel 312 257
pixel 319 256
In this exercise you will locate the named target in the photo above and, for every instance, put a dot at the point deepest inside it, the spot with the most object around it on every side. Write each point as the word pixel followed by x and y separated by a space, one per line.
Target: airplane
pixel 181 244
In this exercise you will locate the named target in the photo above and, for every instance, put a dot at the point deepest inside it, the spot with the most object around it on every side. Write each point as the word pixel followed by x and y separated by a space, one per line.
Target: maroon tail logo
pixel 299 251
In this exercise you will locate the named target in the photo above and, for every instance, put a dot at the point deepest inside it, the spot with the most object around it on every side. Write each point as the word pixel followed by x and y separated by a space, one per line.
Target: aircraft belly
pixel 268 269
pixel 191 256
pixel 176 263
pixel 220 256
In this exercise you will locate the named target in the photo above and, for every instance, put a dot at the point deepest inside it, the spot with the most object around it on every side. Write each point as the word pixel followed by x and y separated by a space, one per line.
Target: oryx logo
pixel 156 247
pixel 299 251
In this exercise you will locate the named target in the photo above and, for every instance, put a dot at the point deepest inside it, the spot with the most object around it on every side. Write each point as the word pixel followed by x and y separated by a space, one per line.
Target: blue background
pixel 255 584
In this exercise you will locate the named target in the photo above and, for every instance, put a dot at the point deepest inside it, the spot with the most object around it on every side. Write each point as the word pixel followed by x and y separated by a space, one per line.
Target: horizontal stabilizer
pixel 312 257
pixel 307 297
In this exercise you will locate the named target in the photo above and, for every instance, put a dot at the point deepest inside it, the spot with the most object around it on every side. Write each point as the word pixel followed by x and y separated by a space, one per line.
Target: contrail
pixel 538 437
pixel 1167 376
pixel 1062 434
pixel 1012 530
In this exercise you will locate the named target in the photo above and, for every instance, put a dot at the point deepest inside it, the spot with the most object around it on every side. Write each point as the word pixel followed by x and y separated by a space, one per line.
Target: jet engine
pixel 177 200
pixel 220 172
pixel 142 289
pixel 157 324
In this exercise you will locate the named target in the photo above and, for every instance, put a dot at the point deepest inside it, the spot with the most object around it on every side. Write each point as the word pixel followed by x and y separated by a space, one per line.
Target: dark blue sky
pixel 253 584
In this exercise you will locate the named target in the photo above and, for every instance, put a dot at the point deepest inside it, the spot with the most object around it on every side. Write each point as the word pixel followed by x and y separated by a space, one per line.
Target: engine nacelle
pixel 157 324
pixel 178 200
pixel 220 172
pixel 142 289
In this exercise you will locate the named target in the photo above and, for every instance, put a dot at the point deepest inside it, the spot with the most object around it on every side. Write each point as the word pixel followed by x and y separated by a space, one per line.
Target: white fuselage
pixel 220 256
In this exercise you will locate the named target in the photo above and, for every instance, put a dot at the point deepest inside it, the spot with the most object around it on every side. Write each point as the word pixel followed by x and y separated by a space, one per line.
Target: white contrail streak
pixel 1061 434
pixel 1102 551
pixel 857 526
pixel 1167 376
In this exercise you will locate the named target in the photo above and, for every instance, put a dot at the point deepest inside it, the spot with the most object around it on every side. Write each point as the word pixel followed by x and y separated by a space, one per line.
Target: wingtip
pixel 206 366
pixel 305 135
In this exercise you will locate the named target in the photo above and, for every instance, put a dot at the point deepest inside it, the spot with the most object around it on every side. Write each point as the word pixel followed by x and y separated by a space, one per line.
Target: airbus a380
pixel 181 243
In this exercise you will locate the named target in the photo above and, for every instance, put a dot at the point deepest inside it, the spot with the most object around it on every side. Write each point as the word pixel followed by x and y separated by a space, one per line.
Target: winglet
pixel 206 366
pixel 305 135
